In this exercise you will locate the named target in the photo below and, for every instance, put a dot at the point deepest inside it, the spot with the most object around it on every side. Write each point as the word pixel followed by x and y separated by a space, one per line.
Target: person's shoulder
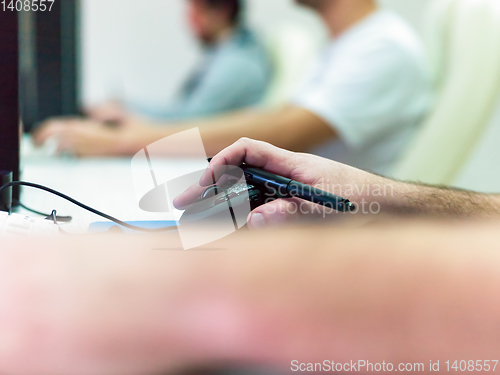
pixel 243 57
pixel 390 29
pixel 246 46
pixel 382 32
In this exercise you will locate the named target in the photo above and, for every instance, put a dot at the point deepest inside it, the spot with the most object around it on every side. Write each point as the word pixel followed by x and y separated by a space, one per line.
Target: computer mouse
pixel 215 202
pixel 261 187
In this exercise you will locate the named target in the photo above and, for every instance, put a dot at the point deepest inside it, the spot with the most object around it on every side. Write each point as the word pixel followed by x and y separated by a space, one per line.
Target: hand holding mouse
pixel 311 170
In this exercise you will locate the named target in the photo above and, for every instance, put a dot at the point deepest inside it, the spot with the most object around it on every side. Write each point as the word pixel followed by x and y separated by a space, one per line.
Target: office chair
pixel 464 51
pixel 480 173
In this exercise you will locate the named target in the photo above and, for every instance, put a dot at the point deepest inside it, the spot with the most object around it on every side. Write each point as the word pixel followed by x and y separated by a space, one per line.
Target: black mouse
pixel 215 202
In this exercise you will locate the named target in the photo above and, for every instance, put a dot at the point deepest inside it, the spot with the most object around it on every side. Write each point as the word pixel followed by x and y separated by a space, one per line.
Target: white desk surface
pixel 104 184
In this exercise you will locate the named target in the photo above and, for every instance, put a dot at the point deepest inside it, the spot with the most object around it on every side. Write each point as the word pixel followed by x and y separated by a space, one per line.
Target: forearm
pixel 222 131
pixel 401 294
pixel 217 132
pixel 290 128
pixel 390 197
pixel 103 305
pixel 436 202
pixel 317 295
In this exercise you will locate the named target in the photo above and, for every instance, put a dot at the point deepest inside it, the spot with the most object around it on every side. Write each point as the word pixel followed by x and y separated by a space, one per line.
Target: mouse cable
pixel 62 219
pixel 85 207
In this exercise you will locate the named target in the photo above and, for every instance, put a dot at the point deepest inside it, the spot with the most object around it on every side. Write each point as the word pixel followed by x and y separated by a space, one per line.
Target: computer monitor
pixel 48 58
pixel 9 96
pixel 38 74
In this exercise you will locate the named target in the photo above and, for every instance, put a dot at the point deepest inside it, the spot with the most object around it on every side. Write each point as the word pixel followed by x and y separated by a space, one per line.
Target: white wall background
pixel 140 51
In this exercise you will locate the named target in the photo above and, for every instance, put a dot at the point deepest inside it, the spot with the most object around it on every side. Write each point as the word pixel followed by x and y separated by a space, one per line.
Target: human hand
pixel 89 138
pixel 79 137
pixel 324 174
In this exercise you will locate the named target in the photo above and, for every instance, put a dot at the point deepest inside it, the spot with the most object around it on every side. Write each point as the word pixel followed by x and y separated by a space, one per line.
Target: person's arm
pixel 408 293
pixel 290 127
pixel 441 201
pixel 371 194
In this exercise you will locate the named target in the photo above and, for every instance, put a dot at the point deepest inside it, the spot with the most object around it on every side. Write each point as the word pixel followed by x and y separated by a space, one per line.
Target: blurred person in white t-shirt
pixel 360 104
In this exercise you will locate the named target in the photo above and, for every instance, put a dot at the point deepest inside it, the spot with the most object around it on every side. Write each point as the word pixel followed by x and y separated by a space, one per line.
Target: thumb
pixel 278 212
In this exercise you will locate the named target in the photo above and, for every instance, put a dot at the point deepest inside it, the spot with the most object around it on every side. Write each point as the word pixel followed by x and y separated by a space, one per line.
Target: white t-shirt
pixel 372 85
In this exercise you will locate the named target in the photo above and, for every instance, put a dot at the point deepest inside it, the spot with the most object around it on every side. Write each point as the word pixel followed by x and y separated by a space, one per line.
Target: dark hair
pixel 234 7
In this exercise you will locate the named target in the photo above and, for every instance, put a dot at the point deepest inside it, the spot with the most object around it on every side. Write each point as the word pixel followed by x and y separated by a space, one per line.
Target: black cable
pixel 85 207
pixel 62 219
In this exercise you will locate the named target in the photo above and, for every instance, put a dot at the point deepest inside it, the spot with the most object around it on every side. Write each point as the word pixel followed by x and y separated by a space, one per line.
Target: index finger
pixel 254 153
pixel 190 196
